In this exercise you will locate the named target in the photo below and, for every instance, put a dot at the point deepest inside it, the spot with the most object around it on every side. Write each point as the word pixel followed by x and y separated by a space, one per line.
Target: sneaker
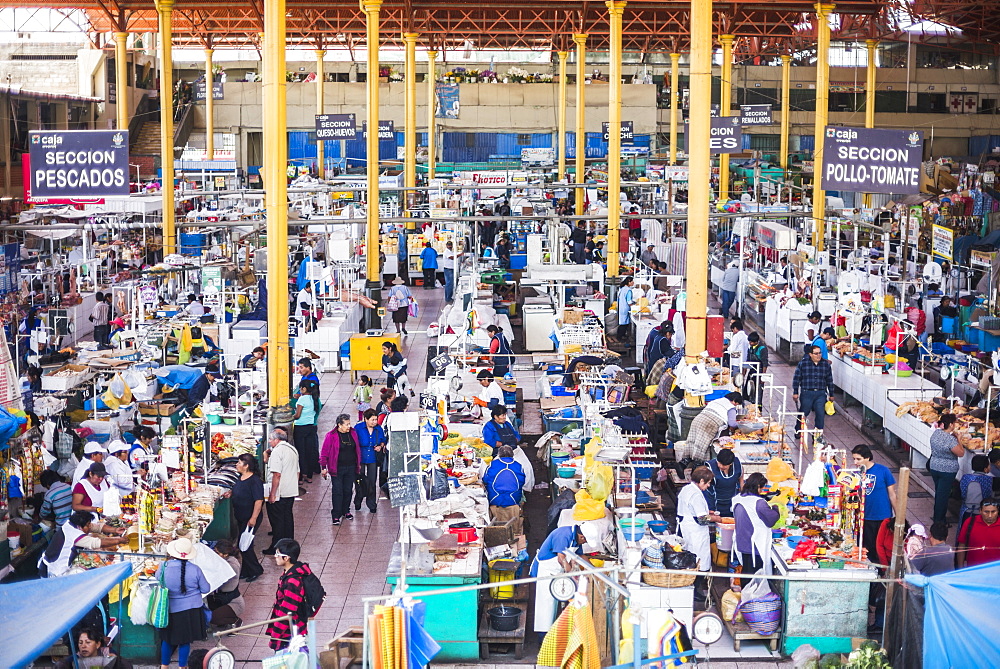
pixel 349 516
pixel 336 521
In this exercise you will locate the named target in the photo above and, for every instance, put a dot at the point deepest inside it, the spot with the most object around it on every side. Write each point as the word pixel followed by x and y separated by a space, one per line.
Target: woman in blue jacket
pixel 372 439
pixel 498 432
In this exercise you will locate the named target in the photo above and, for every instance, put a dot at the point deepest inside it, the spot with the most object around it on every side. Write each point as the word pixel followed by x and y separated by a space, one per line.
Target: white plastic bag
pixel 246 539
pixel 139 602
pixel 112 502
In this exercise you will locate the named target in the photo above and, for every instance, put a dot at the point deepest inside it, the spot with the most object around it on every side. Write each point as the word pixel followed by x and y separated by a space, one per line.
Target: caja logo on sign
pixel 78 163
pixel 866 160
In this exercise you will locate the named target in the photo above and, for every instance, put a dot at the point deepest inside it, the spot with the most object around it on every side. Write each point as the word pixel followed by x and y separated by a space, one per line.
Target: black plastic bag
pixel 681 560
pixel 438 482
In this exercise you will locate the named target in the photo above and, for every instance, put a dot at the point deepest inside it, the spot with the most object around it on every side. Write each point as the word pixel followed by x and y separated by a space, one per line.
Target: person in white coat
pixel 119 472
pixel 92 452
pixel 739 346
pixel 693 520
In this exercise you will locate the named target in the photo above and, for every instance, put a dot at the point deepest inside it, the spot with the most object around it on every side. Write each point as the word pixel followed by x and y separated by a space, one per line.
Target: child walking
pixel 363 395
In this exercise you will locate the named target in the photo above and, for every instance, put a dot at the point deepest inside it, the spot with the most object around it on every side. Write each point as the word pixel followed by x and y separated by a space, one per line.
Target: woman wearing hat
pixel 398 302
pixel 92 452
pixel 490 396
pixel 119 472
pixel 186 584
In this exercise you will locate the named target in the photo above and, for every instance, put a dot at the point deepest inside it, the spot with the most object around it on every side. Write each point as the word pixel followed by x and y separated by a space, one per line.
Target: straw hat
pixel 398 281
pixel 182 549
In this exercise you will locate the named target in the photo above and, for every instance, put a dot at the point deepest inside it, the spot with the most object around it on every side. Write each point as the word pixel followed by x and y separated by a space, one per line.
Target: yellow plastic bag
pixel 830 410
pixel 600 482
pixel 778 470
pixel 728 605
pixel 650 391
pixel 587 508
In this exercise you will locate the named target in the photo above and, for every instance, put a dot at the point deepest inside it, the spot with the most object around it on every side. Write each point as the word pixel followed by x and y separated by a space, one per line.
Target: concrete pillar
pixel 822 116
pixel 675 97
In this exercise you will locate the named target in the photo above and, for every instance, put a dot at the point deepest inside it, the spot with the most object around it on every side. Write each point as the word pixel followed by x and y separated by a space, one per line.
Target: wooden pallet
pixel 488 635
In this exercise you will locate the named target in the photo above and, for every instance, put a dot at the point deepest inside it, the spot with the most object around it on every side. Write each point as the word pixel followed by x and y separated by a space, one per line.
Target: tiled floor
pixel 352 558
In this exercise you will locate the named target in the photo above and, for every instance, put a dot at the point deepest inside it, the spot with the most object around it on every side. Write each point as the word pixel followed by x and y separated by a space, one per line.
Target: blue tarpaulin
pixel 34 614
pixel 960 623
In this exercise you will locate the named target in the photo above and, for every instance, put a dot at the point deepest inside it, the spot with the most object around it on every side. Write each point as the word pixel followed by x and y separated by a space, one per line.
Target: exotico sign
pixel 864 160
pixel 79 163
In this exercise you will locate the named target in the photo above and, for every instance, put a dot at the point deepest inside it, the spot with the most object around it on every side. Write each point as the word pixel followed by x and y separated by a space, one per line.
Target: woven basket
pixel 762 615
pixel 668 580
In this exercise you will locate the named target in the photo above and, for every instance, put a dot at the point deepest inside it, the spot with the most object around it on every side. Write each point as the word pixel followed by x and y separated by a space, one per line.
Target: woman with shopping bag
pixel 248 500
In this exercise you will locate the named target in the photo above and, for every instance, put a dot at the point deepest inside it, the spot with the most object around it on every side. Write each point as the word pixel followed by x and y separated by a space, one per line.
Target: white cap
pixel 117 446
pixel 93 447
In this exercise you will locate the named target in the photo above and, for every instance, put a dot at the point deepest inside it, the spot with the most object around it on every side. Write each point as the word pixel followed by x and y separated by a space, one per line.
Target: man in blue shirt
pixel 198 392
pixel 813 378
pixel 498 432
pixel 429 261
pixel 548 562
pixel 879 487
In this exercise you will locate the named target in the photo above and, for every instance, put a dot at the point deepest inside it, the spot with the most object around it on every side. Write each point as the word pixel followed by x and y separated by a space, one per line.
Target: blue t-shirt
pixel 308 404
pixel 877 481
pixel 558 540
pixel 819 341
pixel 429 258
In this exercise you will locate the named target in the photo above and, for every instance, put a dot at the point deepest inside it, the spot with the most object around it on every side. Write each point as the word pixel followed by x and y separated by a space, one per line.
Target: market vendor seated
pixel 498 431
pixel 73 537
pixel 504 480
pixel 88 493
pixel 901 339
pixel 251 359
pixel 92 651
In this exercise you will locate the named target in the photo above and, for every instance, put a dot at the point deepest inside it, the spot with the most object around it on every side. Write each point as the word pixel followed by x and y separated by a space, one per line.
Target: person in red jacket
pixel 341 460
pixel 290 597
pixel 979 537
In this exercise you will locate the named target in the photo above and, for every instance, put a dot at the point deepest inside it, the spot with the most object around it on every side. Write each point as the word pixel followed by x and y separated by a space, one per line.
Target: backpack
pixel 315 594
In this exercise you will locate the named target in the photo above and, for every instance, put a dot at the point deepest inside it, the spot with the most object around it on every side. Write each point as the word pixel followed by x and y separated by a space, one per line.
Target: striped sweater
pixel 289 599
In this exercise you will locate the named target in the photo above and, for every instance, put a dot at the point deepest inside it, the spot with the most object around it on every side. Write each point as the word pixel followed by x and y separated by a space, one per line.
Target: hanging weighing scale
pixel 562 588
pixel 219 658
pixel 707 627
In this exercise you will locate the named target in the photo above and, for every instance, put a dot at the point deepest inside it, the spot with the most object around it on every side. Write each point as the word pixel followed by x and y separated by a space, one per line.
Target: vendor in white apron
pixel 70 538
pixel 694 516
pixel 88 494
pixel 751 507
pixel 92 452
pixel 550 560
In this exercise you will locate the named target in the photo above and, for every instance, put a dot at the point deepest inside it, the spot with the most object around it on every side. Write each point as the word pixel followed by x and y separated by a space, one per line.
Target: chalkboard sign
pixel 404 490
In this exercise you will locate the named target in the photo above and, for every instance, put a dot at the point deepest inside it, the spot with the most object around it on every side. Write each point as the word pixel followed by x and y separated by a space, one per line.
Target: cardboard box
pixel 149 409
pixel 573 316
pixel 70 377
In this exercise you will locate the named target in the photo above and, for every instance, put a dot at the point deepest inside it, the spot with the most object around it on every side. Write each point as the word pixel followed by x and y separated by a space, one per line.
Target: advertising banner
pixel 942 241
pixel 336 126
pixel 726 135
pixel 538 156
pixel 218 90
pixel 447 101
pixel 79 163
pixel 865 160
pixel 627 136
pixel 755 114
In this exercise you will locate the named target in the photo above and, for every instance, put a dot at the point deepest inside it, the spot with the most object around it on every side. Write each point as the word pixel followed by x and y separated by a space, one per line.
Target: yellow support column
pixel 431 119
pixel 372 8
pixel 725 102
pixel 209 107
pixel 871 44
pixel 786 108
pixel 410 131
pixel 699 166
pixel 121 81
pixel 823 12
pixel 320 107
pixel 615 10
pixel 580 39
pixel 276 202
pixel 675 97
pixel 164 9
pixel 561 135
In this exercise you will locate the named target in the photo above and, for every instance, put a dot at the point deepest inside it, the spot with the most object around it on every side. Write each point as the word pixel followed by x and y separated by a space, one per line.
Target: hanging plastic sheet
pixel 960 628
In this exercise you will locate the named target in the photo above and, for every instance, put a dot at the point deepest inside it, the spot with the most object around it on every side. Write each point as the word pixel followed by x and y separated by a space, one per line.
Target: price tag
pixel 440 362
pixel 404 490
pixel 293 329
pixel 428 401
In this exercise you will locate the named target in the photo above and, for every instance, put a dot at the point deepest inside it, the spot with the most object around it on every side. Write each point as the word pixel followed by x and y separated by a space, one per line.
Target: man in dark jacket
pixel 578 238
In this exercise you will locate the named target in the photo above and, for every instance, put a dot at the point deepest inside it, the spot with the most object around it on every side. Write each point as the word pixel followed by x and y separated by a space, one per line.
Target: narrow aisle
pixel 350 559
